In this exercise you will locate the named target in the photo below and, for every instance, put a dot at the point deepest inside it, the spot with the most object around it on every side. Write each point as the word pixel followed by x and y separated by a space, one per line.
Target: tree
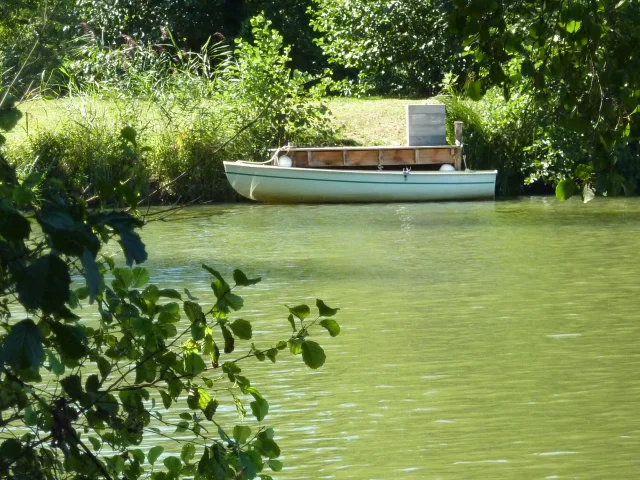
pixel 398 46
pixel 33 34
pixel 193 23
pixel 115 375
pixel 577 59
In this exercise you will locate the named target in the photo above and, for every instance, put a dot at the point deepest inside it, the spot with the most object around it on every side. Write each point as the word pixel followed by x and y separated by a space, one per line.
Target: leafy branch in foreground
pixel 79 395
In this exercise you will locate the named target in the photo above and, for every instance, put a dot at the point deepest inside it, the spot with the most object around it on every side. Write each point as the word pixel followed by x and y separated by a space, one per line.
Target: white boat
pixel 282 184
pixel 369 174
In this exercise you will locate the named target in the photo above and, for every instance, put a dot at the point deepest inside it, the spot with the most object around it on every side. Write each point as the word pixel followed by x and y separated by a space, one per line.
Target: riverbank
pixel 93 142
pixel 360 121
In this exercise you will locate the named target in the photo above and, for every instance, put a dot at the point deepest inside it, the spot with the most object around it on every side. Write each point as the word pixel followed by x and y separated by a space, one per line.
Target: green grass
pixel 372 121
pixel 364 121
pixel 47 115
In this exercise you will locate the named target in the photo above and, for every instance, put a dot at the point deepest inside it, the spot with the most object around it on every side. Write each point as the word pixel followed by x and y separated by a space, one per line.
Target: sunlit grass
pixel 365 121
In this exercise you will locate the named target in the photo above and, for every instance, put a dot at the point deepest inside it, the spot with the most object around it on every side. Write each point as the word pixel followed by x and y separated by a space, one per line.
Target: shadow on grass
pixel 9 118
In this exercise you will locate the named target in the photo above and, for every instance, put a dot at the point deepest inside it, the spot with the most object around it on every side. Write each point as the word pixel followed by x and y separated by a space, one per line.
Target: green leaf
pixel 10 449
pixel 267 446
pixel 275 465
pixel 188 452
pixel 104 366
pixel 72 386
pixel 189 296
pixel 241 279
pixel 312 354
pixel 332 326
pixel 573 26
pixel 271 354
pixel 92 384
pixel 241 433
pixel 186 416
pixel 198 398
pixel 229 341
pixel 132 246
pixel 182 427
pixel 13 225
pixel 474 90
pixel 241 329
pixel 232 300
pixel 292 322
pixel 210 409
pixel 23 346
pixel 325 311
pixel 44 284
pixel 295 346
pixel 249 468
pixel 129 134
pixel 124 276
pixel 70 339
pixel 138 455
pixel 194 312
pixel 203 398
pixel 146 371
pixel 584 172
pixel 30 417
pixel 55 365
pixel 213 272
pixel 140 277
pixel 95 443
pixel 154 453
pixel 259 407
pixel 91 274
pixel 300 311
pixel 566 189
pixel 169 313
pixel 166 399
pixel 193 364
pixel 173 464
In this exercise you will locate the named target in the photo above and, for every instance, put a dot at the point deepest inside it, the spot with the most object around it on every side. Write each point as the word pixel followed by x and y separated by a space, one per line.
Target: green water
pixel 480 340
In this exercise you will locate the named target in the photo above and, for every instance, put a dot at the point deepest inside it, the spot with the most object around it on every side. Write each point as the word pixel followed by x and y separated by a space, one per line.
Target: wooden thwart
pixel 372 156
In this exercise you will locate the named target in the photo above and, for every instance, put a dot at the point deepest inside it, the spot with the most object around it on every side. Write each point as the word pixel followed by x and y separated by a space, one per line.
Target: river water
pixel 479 340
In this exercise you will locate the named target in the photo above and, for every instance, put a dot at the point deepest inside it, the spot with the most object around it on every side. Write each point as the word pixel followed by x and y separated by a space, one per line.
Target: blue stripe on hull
pixel 357 181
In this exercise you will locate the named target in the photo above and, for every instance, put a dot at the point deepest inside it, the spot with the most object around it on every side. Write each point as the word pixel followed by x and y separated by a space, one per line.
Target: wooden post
pixel 458 136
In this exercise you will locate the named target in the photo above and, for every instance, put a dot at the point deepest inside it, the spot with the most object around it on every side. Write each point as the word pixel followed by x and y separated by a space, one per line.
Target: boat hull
pixel 272 184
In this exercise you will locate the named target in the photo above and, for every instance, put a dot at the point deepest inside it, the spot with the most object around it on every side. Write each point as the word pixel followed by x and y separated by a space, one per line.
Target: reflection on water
pixel 480 340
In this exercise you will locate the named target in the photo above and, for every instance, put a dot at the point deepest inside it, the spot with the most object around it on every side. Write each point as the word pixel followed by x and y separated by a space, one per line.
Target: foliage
pixel 576 60
pixel 195 23
pixel 33 36
pixel 399 46
pixel 91 156
pixel 260 82
pixel 190 110
pixel 144 69
pixel 111 381
pixel 292 19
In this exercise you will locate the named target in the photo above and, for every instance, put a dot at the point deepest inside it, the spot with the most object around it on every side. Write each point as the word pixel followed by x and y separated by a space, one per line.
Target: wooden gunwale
pixel 334 157
pixel 382 147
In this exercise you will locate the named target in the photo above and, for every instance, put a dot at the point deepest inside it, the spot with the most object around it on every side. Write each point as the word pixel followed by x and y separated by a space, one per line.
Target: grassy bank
pixel 82 137
pixel 360 121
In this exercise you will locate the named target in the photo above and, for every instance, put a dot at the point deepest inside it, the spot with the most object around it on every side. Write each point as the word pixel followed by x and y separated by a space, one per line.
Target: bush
pixel 190 110
pixel 86 153
pixel 531 151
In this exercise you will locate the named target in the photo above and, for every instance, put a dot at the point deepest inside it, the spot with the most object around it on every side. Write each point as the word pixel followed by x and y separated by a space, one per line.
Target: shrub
pixel 530 150
pixel 88 153
pixel 184 107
